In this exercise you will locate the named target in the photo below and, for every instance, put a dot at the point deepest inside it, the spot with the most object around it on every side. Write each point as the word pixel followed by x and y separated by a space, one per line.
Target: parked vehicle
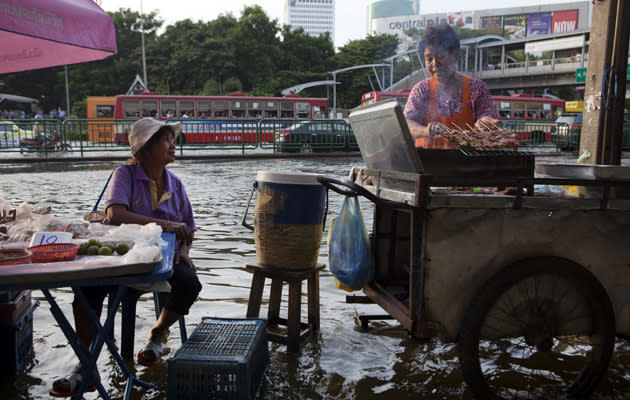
pixel 316 136
pixel 565 133
pixel 43 143
pixel 11 134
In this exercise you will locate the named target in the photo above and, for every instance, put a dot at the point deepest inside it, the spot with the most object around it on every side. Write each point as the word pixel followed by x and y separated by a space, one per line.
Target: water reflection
pixel 342 362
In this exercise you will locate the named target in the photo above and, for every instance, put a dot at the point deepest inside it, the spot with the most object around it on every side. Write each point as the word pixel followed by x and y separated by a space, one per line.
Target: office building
pixel 314 16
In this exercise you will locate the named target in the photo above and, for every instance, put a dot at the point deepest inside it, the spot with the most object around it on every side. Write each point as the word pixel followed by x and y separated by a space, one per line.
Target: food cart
pixel 531 283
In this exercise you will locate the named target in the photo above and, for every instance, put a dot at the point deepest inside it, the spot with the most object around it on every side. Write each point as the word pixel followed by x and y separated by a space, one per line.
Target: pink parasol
pixel 47 33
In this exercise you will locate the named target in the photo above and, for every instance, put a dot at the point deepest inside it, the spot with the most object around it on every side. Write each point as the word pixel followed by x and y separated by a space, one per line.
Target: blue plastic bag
pixel 349 252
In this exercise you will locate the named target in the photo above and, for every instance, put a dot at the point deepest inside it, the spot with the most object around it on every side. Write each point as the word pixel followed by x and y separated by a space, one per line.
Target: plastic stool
pixel 297 331
pixel 128 320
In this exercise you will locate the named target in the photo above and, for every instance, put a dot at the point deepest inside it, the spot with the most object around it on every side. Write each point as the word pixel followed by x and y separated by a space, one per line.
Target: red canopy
pixel 47 33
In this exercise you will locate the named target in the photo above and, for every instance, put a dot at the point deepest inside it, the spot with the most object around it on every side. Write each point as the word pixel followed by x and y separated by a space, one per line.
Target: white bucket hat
pixel 144 129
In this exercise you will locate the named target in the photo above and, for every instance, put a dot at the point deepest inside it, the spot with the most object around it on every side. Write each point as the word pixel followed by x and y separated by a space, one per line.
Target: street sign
pixel 580 74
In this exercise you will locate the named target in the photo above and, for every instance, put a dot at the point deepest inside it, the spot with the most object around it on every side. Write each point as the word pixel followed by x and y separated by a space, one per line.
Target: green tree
pixel 257 49
pixel 370 50
pixel 303 58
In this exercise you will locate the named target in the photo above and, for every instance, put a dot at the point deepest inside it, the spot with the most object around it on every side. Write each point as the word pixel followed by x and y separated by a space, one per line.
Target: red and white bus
pixel 530 117
pixel 217 119
pixel 375 97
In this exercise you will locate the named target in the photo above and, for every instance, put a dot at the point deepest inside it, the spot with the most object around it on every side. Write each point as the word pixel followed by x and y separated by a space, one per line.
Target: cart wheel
pixel 542 328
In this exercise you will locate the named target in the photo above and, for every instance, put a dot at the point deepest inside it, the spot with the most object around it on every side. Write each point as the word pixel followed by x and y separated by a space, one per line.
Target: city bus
pixel 530 117
pixel 375 97
pixel 100 114
pixel 218 119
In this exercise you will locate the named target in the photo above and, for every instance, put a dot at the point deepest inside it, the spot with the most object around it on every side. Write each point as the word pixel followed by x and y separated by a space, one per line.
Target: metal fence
pixel 83 136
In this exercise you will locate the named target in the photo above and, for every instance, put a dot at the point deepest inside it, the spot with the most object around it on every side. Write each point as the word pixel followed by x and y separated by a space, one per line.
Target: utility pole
pixel 604 95
pixel 144 59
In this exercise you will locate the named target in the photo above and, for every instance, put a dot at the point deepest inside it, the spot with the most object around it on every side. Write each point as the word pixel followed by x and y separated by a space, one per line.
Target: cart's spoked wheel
pixel 543 328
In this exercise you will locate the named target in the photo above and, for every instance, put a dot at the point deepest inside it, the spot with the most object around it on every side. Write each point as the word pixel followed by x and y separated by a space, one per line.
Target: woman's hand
pixel 487 124
pixel 182 256
pixel 182 232
pixel 436 128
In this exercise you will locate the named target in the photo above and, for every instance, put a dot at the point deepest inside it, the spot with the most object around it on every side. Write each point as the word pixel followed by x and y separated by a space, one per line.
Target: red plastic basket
pixel 54 252
pixel 14 256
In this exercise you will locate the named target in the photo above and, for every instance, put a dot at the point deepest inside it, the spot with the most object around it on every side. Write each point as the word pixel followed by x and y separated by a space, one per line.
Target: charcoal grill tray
pixel 469 162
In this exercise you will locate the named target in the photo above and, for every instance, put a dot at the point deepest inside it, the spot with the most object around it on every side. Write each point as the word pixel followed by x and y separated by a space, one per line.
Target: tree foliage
pixel 372 50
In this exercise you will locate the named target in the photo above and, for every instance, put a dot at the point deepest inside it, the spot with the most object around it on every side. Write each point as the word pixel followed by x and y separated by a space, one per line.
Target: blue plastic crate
pixel 16 342
pixel 222 359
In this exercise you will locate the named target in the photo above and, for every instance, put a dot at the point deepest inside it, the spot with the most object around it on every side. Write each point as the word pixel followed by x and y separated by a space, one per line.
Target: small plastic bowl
pixel 14 256
pixel 54 252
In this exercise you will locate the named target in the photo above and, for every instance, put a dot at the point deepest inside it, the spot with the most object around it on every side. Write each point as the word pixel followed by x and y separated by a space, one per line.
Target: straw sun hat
pixel 144 129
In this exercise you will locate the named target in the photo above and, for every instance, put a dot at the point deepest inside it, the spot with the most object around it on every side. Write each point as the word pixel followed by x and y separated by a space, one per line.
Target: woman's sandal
pixel 152 347
pixel 73 383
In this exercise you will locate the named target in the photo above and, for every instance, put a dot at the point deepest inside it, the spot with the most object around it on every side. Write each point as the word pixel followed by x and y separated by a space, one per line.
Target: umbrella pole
pixel 67 92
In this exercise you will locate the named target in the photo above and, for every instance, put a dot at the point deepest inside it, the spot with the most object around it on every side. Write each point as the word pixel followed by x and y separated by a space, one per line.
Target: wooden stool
pixel 293 322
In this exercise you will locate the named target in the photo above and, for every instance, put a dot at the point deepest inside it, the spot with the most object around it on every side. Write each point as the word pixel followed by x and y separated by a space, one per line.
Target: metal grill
pixel 470 162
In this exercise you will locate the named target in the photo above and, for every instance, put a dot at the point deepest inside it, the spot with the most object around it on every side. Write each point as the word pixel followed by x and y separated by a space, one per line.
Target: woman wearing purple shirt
pixel 144 191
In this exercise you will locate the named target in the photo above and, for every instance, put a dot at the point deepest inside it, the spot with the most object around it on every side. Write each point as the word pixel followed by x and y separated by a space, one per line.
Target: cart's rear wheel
pixel 542 328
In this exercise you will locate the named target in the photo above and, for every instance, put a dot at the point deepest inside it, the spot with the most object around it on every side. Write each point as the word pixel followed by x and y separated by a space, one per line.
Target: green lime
pixel 105 251
pixel 82 249
pixel 111 246
pixel 94 242
pixel 122 248
pixel 92 250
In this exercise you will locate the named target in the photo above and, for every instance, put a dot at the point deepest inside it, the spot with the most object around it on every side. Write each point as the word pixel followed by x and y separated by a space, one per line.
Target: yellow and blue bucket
pixel 288 219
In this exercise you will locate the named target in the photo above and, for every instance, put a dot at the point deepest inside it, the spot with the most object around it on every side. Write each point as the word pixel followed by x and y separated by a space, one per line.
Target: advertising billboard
pixel 492 22
pixel 515 25
pixel 538 24
pixel 565 21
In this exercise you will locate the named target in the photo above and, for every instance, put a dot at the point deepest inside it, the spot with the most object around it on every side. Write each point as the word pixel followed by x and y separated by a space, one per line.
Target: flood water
pixel 341 362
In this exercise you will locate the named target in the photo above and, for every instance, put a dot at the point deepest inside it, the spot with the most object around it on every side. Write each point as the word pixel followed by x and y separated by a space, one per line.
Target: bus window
pixel 104 111
pixel 519 110
pixel 203 109
pixel 558 111
pixel 187 107
pixel 271 109
pixel 254 109
pixel 238 109
pixel 533 110
pixel 131 108
pixel 287 110
pixel 505 109
pixel 167 108
pixel 149 108
pixel 220 108
pixel 546 111
pixel 303 110
pixel 317 112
